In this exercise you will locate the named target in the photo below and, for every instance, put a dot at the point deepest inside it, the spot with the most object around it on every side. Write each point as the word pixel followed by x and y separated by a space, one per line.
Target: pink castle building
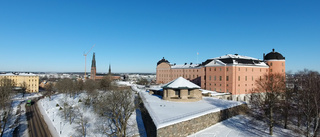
pixel 234 74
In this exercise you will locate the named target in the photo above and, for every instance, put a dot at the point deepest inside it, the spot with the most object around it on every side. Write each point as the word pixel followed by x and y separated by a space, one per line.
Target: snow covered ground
pixel 242 126
pixel 17 119
pixel 166 113
pixel 55 120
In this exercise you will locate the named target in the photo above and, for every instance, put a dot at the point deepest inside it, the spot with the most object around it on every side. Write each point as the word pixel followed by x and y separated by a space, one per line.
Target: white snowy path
pixel 242 126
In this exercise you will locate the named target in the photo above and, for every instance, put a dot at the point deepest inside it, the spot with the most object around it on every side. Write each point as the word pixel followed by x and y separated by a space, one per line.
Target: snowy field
pixel 166 113
pixel 242 126
pixel 60 127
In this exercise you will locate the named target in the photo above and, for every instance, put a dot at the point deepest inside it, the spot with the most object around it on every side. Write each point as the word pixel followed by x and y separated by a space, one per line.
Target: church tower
pixel 109 70
pixel 93 68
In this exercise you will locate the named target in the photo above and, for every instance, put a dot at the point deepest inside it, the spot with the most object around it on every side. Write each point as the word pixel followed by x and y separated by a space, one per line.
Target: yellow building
pixel 31 80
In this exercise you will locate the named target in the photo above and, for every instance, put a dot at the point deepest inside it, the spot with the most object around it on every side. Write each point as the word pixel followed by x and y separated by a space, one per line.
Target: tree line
pixel 291 100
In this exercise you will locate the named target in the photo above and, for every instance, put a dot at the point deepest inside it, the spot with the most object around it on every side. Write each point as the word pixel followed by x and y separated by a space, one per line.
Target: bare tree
pixel 6 91
pixel 266 96
pixel 309 96
pixel 82 121
pixel 23 87
pixel 49 89
pixel 64 86
pixel 106 83
pixel 117 106
pixel 91 89
pixel 143 81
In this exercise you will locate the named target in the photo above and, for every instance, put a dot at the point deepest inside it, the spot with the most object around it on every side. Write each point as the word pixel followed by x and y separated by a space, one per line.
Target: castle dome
pixel 162 60
pixel 273 56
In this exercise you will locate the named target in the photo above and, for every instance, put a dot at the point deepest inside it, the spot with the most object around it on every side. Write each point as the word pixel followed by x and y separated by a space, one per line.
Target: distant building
pixel 94 75
pixel 232 73
pixel 31 80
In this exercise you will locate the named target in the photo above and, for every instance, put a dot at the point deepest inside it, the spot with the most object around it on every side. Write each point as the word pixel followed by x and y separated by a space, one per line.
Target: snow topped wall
pixel 182 119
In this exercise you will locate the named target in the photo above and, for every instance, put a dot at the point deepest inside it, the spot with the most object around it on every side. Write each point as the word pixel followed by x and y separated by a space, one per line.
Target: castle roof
pixel 273 56
pixel 162 60
pixel 234 59
pixel 181 83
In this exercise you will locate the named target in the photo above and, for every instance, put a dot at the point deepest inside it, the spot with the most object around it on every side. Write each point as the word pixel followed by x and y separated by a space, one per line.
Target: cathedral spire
pixel 93 60
pixel 109 69
pixel 93 67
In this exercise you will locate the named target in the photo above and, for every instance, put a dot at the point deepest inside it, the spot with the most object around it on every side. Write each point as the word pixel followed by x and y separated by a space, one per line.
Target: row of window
pixel 227 69
pixel 227 78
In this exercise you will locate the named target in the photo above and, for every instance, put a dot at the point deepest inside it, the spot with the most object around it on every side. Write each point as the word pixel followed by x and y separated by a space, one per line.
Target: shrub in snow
pixel 60 108
pixel 57 105
pixel 80 100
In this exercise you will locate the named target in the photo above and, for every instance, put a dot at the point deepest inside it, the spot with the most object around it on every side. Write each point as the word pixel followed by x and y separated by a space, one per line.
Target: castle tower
pixel 276 62
pixel 93 68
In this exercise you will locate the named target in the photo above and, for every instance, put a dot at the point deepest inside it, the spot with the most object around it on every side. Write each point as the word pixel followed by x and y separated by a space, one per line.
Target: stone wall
pixel 192 126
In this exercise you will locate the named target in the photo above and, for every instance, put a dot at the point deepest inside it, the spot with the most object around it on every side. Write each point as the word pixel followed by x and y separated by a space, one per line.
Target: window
pixel 270 70
pixel 246 69
pixel 227 69
pixel 227 78
pixel 177 92
pixel 220 78
pixel 282 64
pixel 215 78
pixel 239 69
pixel 227 85
pixel 252 78
pixel 246 78
pixel 210 78
pixel 252 69
pixel 188 92
pixel 220 69
pixel 215 69
pixel 209 69
pixel 238 78
pixel 271 64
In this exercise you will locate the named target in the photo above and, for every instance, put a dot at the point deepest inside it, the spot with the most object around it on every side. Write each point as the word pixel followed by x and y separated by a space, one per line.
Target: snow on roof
pixel 213 93
pixel 236 59
pixel 184 66
pixel 18 74
pixel 180 83
pixel 156 89
pixel 165 113
pixel 235 56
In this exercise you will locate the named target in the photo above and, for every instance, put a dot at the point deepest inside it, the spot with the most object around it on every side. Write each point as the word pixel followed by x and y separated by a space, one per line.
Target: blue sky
pixel 133 35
